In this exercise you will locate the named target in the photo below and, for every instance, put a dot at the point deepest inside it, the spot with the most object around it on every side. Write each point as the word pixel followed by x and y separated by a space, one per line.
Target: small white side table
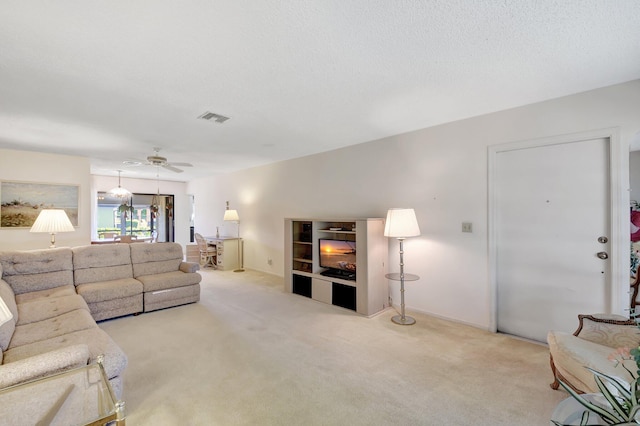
pixel 402 319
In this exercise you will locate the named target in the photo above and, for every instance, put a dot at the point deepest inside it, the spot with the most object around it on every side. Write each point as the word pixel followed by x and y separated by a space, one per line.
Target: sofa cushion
pixel 97 263
pixel 41 309
pixel 155 258
pixel 96 339
pixel 168 280
pixel 77 320
pixel 161 299
pixel 107 309
pixel 43 365
pixel 7 329
pixel 51 293
pixel 35 270
pixel 109 290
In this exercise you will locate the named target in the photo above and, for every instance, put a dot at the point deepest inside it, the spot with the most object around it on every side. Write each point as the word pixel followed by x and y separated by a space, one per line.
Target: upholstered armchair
pixel 597 337
pixel 590 345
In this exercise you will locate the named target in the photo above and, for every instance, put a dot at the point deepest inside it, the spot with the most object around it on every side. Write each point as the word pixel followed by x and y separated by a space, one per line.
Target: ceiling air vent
pixel 210 116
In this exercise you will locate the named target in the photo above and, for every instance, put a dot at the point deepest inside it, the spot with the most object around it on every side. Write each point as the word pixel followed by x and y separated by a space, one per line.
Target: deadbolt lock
pixel 602 255
pixel 603 240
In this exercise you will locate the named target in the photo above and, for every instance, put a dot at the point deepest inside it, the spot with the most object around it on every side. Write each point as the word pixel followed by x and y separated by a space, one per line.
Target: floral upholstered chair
pixel 597 337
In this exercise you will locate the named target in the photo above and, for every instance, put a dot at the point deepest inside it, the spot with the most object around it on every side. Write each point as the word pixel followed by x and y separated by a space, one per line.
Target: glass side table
pixel 81 396
pixel 402 319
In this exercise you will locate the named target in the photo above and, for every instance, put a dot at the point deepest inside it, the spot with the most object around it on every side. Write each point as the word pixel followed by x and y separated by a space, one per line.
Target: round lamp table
pixel 402 319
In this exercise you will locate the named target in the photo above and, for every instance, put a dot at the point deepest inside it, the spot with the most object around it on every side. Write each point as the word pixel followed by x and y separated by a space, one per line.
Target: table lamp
pixel 52 221
pixel 400 224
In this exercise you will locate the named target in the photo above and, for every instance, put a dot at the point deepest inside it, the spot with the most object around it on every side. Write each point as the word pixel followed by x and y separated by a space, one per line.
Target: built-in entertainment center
pixel 340 262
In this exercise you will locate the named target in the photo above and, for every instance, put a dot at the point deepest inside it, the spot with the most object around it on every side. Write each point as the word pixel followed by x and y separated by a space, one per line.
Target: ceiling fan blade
pixel 182 164
pixel 173 169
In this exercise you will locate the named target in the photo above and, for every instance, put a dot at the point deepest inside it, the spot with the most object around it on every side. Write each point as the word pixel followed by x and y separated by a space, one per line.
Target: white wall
pixel 182 205
pixel 50 168
pixel 441 172
pixel 47 168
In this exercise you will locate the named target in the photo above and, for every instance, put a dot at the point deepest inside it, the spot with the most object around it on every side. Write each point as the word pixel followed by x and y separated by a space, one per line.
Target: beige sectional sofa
pixel 52 328
pixel 56 296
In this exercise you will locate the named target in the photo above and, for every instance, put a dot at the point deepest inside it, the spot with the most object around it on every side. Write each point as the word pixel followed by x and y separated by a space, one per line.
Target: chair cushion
pixel 612 335
pixel 571 355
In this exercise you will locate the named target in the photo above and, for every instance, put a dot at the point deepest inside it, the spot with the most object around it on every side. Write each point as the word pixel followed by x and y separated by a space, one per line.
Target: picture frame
pixel 21 202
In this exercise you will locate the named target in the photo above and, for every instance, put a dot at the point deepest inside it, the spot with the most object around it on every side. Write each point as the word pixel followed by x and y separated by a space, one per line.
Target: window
pixel 135 217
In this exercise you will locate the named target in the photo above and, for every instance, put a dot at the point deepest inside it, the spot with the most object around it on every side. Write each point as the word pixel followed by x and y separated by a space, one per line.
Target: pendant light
pixel 119 192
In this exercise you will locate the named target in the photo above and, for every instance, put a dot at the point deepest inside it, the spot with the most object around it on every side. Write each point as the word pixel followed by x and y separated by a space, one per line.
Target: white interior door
pixel 551 206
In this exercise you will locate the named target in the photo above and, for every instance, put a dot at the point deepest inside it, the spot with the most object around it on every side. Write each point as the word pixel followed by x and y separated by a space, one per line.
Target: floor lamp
pixel 232 216
pixel 52 221
pixel 400 224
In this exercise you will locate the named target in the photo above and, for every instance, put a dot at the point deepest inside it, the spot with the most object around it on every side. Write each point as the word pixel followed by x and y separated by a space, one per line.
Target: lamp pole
pixel 403 318
pixel 240 262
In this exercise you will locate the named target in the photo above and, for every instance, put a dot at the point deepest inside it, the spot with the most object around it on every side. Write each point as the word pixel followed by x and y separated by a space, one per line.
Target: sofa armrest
pixel 609 330
pixel 43 365
pixel 189 267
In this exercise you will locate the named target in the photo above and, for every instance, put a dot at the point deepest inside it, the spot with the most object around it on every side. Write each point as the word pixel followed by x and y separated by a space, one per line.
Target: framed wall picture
pixel 21 202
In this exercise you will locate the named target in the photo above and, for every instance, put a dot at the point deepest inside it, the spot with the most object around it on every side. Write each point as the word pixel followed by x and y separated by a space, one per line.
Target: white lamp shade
pixel 5 313
pixel 231 215
pixel 52 221
pixel 401 223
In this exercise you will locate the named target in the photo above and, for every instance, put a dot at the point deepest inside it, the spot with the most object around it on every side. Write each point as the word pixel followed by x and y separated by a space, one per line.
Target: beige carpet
pixel 250 354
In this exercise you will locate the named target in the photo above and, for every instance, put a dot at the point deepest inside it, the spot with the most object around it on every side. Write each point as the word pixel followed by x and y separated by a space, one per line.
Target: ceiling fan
pixel 158 161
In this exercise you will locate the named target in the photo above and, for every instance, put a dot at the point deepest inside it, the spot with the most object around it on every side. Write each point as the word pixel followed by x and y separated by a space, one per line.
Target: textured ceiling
pixel 111 80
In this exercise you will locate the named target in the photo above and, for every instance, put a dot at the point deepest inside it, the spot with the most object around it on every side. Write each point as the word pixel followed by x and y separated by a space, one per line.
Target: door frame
pixel 619 252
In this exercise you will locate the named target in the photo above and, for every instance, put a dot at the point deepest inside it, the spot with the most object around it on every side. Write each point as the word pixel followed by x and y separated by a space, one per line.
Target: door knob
pixel 603 240
pixel 602 255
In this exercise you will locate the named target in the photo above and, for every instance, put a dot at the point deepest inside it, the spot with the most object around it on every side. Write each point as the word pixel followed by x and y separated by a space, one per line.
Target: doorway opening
pixel 143 215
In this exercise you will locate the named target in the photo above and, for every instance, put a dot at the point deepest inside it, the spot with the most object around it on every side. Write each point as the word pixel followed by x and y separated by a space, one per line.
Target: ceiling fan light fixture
pixel 157 160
